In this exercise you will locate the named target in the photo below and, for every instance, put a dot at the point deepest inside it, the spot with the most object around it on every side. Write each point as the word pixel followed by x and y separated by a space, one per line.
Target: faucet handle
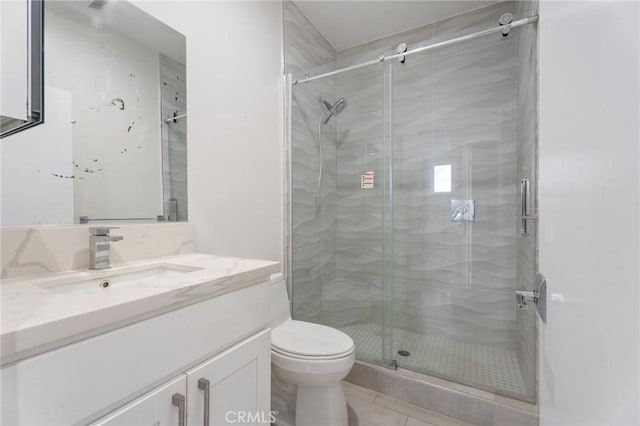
pixel 101 231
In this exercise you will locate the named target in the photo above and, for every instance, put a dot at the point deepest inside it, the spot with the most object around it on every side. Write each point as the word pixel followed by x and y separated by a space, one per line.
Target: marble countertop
pixel 39 315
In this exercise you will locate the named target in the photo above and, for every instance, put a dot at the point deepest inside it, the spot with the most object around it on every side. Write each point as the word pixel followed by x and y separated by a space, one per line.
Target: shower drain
pixel 403 352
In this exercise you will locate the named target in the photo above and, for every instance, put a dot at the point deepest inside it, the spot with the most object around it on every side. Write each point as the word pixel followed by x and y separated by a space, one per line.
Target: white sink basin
pixel 108 280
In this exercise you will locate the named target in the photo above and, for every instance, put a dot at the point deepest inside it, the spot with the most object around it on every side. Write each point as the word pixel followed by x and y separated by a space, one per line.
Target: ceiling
pixel 351 23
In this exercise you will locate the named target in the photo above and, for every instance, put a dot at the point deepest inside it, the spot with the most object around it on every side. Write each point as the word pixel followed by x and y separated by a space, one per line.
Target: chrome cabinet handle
pixel 178 400
pixel 205 385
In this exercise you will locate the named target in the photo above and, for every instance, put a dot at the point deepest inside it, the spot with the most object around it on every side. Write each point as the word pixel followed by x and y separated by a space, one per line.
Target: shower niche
pixel 420 268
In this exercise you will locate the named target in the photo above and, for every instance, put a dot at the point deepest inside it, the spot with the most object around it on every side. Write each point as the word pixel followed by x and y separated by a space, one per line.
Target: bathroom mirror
pixel 113 143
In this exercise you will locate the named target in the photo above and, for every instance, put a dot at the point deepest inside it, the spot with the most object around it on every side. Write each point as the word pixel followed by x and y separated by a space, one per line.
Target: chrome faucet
pixel 99 246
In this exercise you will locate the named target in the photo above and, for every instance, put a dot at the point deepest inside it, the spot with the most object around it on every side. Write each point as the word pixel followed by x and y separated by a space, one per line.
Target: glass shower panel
pixel 455 207
pixel 337 210
pixel 313 215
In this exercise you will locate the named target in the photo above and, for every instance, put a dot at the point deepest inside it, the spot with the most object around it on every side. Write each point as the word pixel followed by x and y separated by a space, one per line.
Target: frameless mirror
pixel 113 144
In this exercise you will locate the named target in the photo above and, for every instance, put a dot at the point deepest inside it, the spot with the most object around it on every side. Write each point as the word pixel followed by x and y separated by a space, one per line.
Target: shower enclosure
pixel 404 194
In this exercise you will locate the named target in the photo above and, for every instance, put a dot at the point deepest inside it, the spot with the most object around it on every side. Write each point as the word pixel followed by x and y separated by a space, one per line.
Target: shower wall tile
pixel 306 272
pixel 495 60
pixel 492 259
pixel 305 47
pixel 345 303
pixel 352 56
pixel 314 219
pixel 477 107
pixel 313 227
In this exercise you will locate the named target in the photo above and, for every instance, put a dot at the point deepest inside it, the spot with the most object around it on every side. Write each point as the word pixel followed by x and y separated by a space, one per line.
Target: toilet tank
pixel 279 300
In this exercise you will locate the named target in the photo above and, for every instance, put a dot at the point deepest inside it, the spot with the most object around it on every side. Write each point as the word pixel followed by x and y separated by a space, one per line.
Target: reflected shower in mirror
pixel 113 145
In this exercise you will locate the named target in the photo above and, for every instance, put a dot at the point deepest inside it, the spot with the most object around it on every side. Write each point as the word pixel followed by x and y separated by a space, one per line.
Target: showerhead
pixel 339 106
pixel 334 109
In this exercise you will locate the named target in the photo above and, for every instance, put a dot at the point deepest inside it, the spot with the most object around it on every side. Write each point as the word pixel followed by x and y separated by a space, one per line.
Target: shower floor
pixel 473 364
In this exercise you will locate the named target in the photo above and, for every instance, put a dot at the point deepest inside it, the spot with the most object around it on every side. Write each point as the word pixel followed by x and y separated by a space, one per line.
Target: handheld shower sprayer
pixel 330 110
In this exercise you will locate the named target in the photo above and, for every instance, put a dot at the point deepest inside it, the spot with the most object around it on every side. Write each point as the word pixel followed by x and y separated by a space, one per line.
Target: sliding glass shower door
pixel 455 215
pixel 404 204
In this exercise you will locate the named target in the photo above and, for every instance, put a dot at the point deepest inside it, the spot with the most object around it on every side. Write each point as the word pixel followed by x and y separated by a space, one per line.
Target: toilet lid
pixel 309 339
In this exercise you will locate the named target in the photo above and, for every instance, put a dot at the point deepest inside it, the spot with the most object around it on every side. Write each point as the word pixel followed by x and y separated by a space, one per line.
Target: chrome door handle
pixel 178 400
pixel 524 197
pixel 205 385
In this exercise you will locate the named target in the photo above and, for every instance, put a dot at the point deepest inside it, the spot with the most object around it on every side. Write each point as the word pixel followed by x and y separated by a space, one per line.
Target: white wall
pixel 234 60
pixel 589 212
pixel 31 194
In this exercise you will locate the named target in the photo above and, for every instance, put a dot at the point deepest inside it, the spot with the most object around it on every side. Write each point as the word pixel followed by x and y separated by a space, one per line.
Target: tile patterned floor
pixel 474 364
pixel 369 408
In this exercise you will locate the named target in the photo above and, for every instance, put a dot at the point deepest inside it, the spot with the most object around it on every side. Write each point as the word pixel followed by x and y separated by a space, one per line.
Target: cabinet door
pixel 156 408
pixel 238 384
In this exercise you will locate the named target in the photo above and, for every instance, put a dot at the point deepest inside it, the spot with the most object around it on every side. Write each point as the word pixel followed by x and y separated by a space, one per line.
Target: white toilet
pixel 308 363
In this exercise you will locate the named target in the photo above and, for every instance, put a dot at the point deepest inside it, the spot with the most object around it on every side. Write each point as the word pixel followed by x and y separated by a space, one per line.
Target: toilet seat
pixel 309 341
pixel 311 372
pixel 312 357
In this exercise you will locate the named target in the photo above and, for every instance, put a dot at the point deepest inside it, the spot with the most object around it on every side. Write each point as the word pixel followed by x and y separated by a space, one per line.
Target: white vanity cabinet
pixel 229 387
pixel 128 376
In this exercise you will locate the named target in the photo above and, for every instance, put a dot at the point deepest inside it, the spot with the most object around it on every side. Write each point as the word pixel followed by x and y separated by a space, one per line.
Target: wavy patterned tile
pixel 305 47
pixel 314 229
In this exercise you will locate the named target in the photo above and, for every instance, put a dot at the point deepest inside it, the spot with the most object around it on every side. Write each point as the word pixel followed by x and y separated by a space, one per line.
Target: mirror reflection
pixel 113 144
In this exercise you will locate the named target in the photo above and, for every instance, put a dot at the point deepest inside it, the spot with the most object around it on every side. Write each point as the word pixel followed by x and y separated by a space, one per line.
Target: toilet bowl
pixel 308 363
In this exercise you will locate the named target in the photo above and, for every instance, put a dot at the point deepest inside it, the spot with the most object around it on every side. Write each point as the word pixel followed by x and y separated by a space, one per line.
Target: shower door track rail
pixel 382 58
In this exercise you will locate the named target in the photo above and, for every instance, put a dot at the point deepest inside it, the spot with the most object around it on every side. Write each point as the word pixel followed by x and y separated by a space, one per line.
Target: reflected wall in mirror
pixel 113 145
